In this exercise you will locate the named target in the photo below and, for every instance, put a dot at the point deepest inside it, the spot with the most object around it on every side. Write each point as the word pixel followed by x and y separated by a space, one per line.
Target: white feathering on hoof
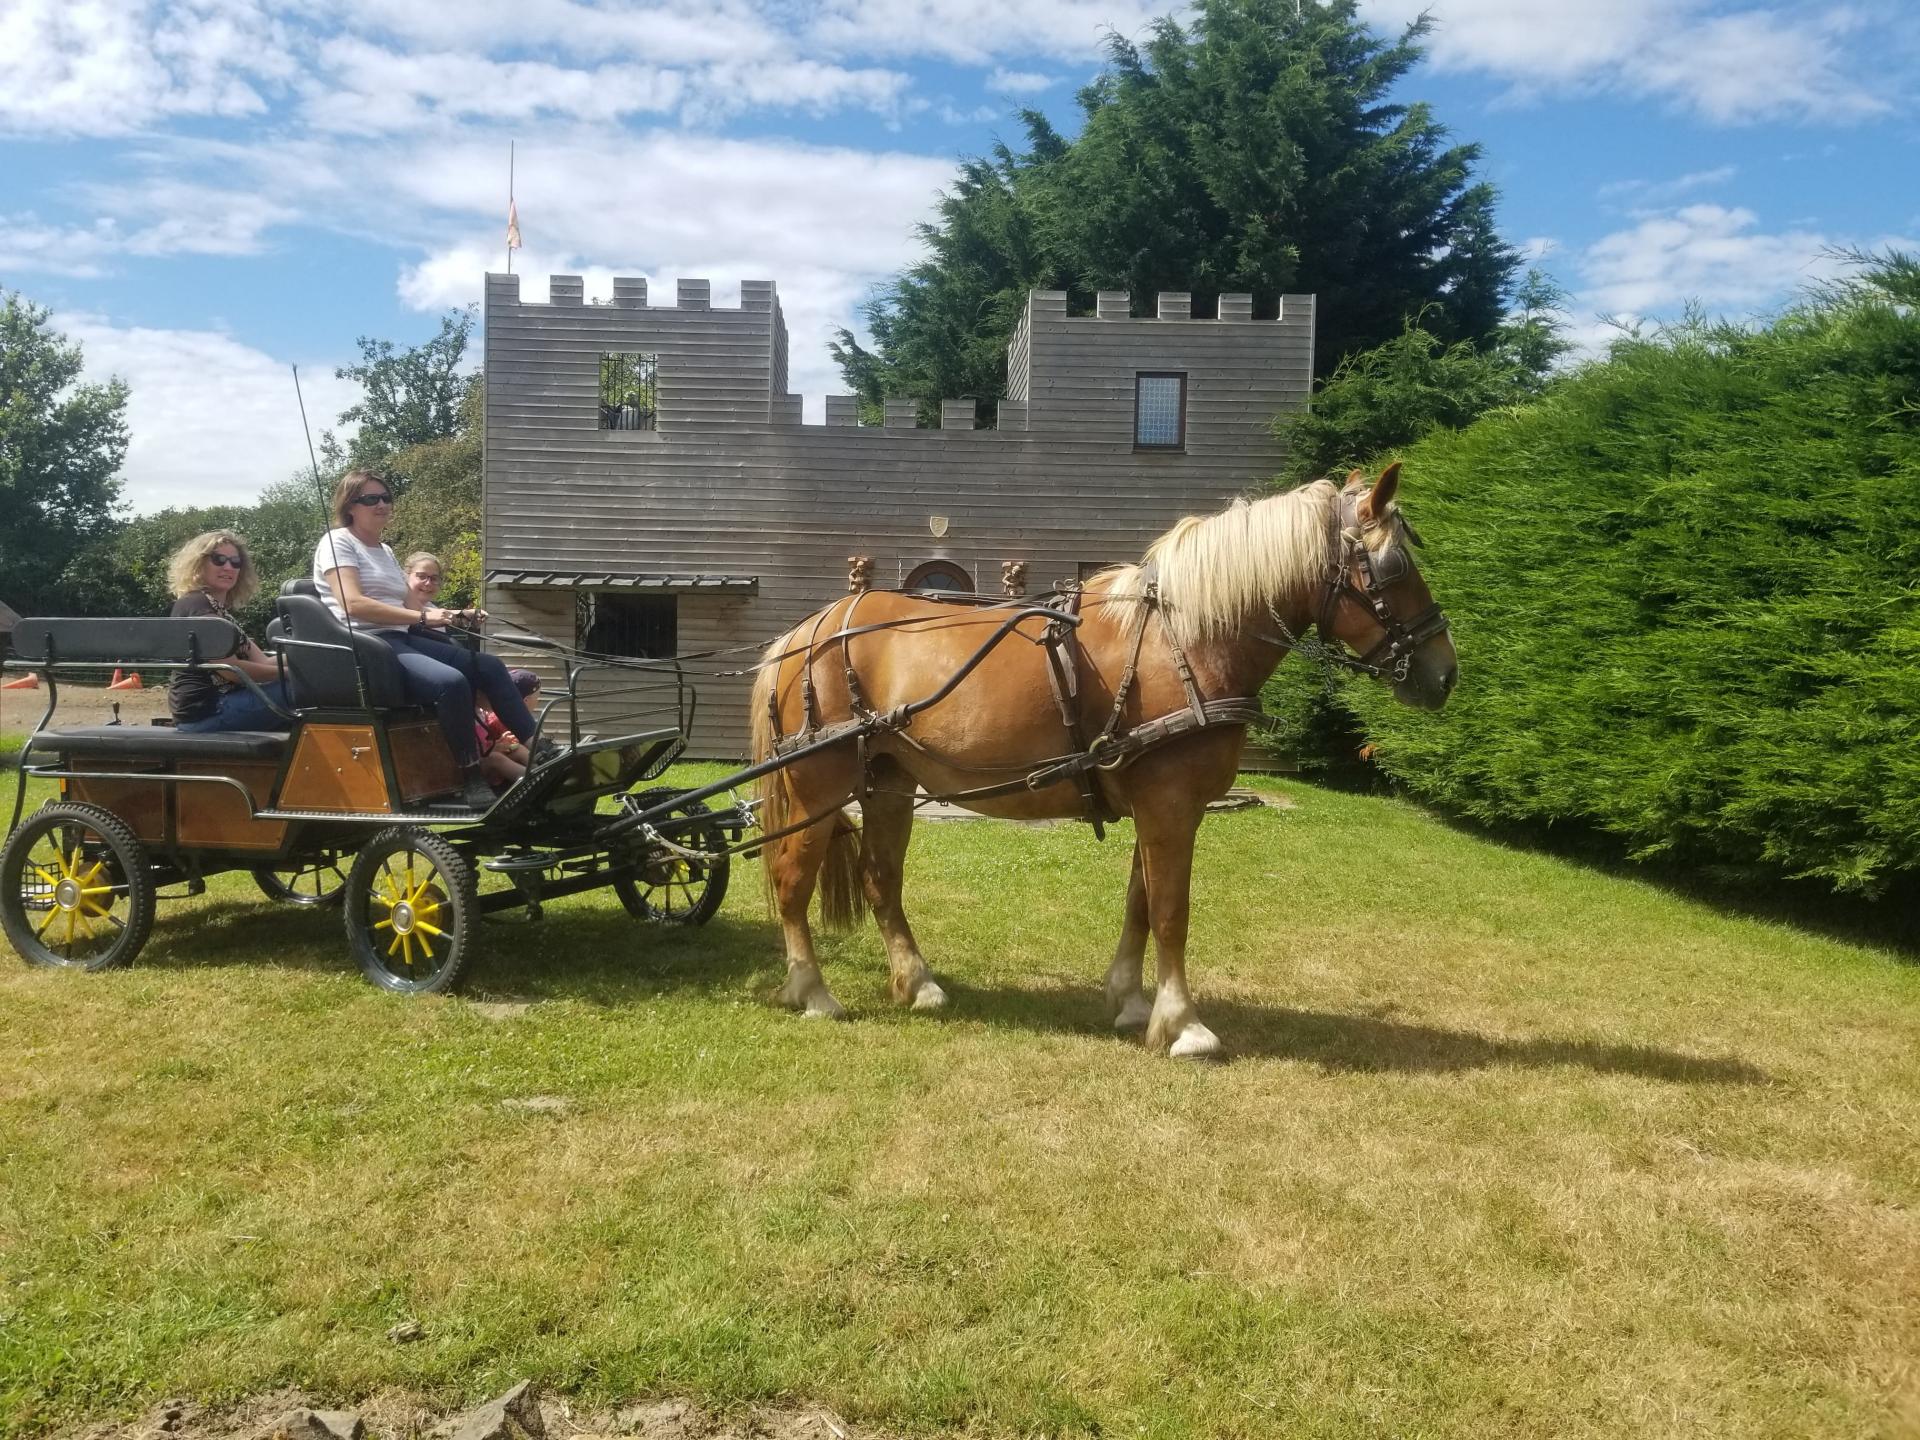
pixel 1134 1014
pixel 822 1006
pixel 930 997
pixel 1196 1042
pixel 807 992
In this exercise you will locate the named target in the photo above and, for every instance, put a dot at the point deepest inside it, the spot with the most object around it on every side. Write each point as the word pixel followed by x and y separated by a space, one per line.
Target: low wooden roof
pixel 603 580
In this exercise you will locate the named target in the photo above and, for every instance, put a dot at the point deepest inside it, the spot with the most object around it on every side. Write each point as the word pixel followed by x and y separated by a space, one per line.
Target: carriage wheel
pixel 319 881
pixel 671 889
pixel 75 890
pixel 410 911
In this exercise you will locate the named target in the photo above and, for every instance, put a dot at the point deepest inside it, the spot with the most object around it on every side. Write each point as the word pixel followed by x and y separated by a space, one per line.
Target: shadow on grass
pixel 601 957
pixel 1356 1043
pixel 1891 922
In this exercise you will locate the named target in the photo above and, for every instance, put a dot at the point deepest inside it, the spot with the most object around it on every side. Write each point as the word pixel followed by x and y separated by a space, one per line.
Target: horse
pixel 1160 663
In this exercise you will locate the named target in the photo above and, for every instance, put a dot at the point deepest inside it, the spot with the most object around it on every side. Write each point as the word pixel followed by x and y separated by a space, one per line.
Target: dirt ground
pixel 399 1416
pixel 20 710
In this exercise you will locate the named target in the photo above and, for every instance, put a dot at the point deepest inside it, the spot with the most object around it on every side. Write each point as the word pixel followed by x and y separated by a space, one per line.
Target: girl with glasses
pixel 212 574
pixel 364 585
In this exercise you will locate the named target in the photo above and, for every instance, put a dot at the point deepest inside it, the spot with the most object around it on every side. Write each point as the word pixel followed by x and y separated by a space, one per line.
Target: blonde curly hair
pixel 186 571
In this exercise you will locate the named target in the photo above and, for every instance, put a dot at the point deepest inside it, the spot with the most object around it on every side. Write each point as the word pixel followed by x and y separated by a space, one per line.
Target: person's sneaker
pixel 543 751
pixel 475 792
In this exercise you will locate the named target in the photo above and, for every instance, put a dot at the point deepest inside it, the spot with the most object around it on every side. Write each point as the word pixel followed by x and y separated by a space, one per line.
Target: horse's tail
pixel 843 896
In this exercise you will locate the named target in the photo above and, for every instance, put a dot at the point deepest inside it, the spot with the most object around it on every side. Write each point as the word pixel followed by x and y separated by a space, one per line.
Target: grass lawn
pixel 1508 1146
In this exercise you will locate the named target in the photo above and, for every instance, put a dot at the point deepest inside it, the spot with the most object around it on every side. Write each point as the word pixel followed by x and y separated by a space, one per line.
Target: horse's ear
pixel 1374 505
pixel 1355 479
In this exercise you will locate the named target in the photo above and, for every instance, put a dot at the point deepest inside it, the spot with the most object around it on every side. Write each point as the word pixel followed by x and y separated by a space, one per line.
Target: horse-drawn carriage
pixel 1130 696
pixel 356 805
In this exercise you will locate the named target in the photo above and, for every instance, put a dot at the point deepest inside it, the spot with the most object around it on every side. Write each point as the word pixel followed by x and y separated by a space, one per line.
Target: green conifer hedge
pixel 1685 588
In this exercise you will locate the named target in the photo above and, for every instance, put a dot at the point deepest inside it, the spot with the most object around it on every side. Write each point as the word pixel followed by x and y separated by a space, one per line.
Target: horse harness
pixel 1112 748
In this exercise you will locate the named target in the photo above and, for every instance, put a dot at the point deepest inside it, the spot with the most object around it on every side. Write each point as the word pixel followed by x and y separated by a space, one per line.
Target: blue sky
pixel 207 191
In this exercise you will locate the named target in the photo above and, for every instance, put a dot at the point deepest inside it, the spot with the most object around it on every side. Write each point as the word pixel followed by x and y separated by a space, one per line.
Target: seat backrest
pixel 141 640
pixel 331 676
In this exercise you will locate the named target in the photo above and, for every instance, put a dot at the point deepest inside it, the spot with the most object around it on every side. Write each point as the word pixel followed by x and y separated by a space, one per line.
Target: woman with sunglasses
pixel 212 574
pixel 363 584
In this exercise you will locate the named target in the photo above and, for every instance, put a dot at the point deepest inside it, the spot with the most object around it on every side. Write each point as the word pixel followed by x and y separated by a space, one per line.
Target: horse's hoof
pixel 1135 1012
pixel 1196 1042
pixel 824 1007
pixel 930 996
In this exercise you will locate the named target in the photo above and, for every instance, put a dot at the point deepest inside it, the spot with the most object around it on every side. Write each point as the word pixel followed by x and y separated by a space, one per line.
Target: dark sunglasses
pixel 381 499
pixel 231 562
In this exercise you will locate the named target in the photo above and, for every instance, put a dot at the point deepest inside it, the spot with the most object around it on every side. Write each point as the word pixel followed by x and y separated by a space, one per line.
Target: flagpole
pixel 510 203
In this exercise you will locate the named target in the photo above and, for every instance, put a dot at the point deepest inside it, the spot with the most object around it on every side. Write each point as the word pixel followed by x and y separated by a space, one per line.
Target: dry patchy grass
pixel 1507 1147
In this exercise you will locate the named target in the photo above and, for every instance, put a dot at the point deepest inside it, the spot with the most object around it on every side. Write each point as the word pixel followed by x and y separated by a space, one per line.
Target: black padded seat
pixel 327 663
pixel 160 742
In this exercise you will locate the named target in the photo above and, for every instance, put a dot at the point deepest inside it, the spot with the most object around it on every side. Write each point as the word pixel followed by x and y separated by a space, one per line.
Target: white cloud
pixel 826 224
pixel 108 67
pixel 977 32
pixel 1663 192
pixel 1711 254
pixel 154 218
pixel 1019 82
pixel 213 421
pixel 1763 62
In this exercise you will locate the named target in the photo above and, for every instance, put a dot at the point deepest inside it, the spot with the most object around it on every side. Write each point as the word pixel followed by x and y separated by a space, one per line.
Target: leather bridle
pixel 1391 657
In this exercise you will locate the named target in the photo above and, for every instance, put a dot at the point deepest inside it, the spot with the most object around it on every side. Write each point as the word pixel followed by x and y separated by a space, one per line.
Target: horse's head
pixel 1377 605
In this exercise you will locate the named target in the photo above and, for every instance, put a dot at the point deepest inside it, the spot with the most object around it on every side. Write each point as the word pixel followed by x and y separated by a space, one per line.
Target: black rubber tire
pixel 669 889
pixel 30 906
pixel 284 883
pixel 419 876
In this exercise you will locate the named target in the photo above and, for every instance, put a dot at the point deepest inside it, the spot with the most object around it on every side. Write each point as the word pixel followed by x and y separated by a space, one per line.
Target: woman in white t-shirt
pixel 362 583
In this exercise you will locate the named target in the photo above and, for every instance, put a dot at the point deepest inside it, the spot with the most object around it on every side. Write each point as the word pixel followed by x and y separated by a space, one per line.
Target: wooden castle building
pixel 650 488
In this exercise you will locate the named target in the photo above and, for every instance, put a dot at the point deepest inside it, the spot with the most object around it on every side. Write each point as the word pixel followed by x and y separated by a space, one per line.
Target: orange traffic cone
pixel 132 682
pixel 30 681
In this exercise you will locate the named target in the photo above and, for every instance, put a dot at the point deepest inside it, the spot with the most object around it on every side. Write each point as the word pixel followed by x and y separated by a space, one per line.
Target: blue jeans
pixel 241 709
pixel 444 676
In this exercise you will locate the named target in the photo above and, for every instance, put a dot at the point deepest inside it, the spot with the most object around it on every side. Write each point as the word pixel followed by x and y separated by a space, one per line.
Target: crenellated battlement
pixel 630 293
pixel 1051 358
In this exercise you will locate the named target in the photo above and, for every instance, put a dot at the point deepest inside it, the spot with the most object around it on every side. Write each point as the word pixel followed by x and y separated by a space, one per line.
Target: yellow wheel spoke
pixel 93 874
pixel 406 950
pixel 426 947
pixel 46 875
pixel 397 938
pixel 383 924
pixel 72 867
pixel 431 929
pixel 52 915
pixel 96 890
pixel 71 923
pixel 86 925
pixel 89 908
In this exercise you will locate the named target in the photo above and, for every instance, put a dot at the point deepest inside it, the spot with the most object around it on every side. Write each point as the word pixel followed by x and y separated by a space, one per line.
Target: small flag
pixel 513 226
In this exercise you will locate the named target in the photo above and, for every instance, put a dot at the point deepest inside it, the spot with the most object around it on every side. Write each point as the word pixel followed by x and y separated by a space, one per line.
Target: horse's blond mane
pixel 1216 571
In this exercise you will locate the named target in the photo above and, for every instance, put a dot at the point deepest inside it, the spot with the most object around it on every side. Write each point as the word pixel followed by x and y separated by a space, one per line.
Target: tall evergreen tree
pixel 1254 149
pixel 61 447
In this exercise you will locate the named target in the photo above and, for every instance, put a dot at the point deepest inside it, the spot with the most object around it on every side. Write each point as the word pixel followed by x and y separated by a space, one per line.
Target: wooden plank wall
pixel 732 484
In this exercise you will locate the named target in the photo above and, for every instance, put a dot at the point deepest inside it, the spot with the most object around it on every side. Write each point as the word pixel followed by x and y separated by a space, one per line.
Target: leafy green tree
pixel 438 508
pixel 61 447
pixel 409 397
pixel 1254 149
pixel 1682 587
pixel 1390 396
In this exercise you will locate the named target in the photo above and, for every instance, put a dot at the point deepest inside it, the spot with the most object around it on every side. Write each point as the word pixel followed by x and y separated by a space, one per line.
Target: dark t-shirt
pixel 195 694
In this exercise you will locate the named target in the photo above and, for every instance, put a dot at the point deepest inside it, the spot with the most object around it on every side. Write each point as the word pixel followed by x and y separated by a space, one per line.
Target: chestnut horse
pixel 1187 638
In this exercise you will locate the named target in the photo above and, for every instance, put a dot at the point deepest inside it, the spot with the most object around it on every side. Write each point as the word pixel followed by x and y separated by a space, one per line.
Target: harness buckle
pixel 1100 746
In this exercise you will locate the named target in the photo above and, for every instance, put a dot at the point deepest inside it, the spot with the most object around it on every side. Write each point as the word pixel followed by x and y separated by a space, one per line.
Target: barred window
pixel 643 627
pixel 629 392
pixel 1159 410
